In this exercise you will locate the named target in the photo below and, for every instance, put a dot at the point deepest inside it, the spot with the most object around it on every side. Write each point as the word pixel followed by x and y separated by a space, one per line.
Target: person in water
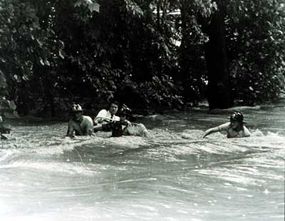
pixel 118 125
pixel 125 127
pixel 105 118
pixel 119 128
pixel 3 129
pixel 234 128
pixel 79 124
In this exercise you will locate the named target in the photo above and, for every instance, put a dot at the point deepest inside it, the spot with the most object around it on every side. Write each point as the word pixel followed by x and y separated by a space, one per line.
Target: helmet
pixel 237 116
pixel 76 108
pixel 125 110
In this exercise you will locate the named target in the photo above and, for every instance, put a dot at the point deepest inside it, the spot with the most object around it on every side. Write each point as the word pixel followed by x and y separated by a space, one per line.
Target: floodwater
pixel 172 175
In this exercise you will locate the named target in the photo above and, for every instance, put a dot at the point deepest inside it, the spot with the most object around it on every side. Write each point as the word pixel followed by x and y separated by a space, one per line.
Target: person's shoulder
pixel 71 121
pixel 103 110
pixel 87 117
pixel 224 126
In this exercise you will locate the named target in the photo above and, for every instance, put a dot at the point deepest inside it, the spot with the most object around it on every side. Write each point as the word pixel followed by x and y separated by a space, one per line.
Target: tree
pixel 256 46
pixel 219 91
pixel 154 53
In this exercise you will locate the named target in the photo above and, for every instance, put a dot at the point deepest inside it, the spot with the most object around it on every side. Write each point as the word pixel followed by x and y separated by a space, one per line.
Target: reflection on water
pixel 173 175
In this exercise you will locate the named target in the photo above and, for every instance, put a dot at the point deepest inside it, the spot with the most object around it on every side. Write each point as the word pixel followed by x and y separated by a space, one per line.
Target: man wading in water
pixel 119 128
pixel 118 125
pixel 105 118
pixel 235 128
pixel 79 124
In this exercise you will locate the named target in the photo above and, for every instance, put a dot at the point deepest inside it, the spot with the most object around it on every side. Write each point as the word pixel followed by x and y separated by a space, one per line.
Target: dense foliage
pixel 256 46
pixel 148 53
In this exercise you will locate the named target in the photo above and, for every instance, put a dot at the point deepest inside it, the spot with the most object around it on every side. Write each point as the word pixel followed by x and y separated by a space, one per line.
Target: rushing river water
pixel 172 175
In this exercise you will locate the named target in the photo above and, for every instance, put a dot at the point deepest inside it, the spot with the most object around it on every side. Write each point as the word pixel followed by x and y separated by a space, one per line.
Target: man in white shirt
pixel 105 118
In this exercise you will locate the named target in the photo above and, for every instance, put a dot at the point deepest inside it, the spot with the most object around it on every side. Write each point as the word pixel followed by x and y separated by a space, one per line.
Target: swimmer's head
pixel 76 108
pixel 236 117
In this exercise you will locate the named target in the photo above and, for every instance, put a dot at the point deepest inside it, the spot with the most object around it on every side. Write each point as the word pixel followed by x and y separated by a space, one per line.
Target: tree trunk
pixel 184 51
pixel 219 92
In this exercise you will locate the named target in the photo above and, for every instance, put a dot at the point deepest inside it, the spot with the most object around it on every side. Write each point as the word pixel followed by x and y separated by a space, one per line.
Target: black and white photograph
pixel 142 110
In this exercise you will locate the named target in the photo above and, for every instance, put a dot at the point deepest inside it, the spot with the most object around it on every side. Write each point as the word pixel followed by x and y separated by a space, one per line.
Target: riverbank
pixel 151 113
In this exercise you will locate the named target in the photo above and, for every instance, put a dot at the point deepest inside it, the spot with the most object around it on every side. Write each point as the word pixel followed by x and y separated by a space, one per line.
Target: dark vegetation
pixel 149 54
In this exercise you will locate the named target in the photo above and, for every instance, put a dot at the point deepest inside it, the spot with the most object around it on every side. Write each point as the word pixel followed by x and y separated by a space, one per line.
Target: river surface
pixel 172 175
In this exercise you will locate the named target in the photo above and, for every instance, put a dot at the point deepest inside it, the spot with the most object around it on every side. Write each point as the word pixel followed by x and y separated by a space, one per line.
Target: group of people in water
pixel 119 125
pixel 107 120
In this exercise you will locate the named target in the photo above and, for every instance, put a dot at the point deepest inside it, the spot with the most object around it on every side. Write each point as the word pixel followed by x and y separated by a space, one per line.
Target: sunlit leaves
pixel 134 8
pixel 67 49
pixel 92 5
pixel 205 7
pixel 256 41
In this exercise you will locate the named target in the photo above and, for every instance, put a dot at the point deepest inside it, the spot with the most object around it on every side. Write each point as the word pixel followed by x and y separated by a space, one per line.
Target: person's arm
pixel 89 126
pixel 116 118
pixel 70 130
pixel 246 132
pixel 125 122
pixel 210 131
pixel 216 129
pixel 102 117
pixel 90 131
